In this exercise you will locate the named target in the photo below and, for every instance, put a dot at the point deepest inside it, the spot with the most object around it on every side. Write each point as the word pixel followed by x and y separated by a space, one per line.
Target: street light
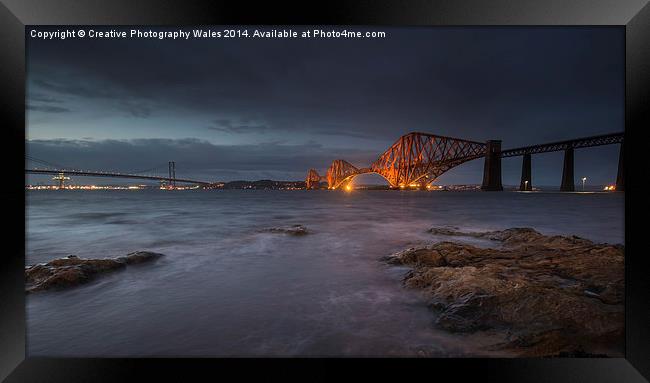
pixel 583 183
pixel 526 185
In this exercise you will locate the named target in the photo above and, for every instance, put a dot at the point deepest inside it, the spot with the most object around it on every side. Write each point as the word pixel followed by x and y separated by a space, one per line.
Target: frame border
pixel 634 15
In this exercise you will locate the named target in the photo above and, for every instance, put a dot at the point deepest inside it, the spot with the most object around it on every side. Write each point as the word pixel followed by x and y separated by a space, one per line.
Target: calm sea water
pixel 226 288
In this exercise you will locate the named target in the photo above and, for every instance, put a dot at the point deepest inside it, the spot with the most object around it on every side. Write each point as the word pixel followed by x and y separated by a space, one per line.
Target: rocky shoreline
pixel 73 271
pixel 530 294
pixel 540 295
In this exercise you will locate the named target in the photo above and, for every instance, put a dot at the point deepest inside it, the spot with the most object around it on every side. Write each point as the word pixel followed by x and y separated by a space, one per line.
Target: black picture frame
pixel 633 15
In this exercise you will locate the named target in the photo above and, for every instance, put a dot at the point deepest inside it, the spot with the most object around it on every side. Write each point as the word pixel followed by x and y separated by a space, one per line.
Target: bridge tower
pixel 620 176
pixel 568 182
pixel 61 178
pixel 526 174
pixel 312 181
pixel 492 167
pixel 172 174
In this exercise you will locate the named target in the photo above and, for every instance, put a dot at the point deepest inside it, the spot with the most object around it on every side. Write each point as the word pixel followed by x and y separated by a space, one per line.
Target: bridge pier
pixel 620 176
pixel 172 174
pixel 526 174
pixel 568 181
pixel 492 167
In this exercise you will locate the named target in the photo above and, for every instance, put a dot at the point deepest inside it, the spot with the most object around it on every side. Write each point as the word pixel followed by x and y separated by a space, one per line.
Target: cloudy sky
pixel 227 109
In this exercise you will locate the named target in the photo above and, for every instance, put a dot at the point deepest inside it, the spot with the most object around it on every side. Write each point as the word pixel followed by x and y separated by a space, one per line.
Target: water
pixel 225 288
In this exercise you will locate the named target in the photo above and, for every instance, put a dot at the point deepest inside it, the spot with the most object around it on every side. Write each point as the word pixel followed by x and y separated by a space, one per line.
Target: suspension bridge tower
pixel 61 178
pixel 172 175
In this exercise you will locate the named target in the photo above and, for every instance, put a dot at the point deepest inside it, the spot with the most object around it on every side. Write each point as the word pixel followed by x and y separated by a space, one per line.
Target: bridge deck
pixel 113 175
pixel 605 139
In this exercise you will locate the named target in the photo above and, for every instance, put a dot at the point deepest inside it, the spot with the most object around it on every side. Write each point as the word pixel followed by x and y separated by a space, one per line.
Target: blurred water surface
pixel 225 287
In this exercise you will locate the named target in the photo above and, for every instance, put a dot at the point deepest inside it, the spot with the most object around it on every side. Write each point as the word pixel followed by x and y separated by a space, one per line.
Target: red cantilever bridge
pixel 417 159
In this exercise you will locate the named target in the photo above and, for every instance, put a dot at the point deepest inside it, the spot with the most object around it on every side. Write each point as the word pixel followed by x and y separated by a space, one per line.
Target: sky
pixel 232 109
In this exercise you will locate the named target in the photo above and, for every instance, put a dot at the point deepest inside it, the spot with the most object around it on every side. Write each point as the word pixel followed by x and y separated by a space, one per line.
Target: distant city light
pixel 81 187
pixel 105 187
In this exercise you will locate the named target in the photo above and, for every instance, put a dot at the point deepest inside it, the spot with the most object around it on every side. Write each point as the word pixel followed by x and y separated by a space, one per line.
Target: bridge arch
pixel 351 177
pixel 339 172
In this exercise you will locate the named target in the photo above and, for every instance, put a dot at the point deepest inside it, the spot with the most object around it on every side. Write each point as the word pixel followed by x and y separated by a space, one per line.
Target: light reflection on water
pixel 225 288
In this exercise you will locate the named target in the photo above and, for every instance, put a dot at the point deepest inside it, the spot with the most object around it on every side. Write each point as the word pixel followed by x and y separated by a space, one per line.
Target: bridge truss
pixel 313 179
pixel 420 158
pixel 414 159
pixel 605 139
pixel 417 159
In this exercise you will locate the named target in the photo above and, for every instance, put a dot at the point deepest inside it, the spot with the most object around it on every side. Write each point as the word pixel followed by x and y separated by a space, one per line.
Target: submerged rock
pixel 72 270
pixel 291 230
pixel 548 295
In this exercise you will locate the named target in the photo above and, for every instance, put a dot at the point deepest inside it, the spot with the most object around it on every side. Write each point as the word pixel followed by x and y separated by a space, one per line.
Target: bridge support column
pixel 620 176
pixel 526 174
pixel 492 167
pixel 568 182
pixel 172 174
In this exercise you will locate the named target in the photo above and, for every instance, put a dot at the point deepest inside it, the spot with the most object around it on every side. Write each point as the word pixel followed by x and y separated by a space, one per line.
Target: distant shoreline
pixel 298 185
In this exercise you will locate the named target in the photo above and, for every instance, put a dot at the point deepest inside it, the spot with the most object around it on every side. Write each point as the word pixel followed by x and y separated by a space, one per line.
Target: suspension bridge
pixel 63 173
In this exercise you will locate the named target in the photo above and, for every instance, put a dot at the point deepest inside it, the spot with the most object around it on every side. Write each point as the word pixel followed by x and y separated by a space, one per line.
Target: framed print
pixel 454 187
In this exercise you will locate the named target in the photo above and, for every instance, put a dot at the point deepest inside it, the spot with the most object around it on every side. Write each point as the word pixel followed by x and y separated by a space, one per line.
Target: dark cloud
pixel 228 126
pixel 136 109
pixel 47 108
pixel 74 88
pixel 344 133
pixel 44 98
pixel 92 89
pixel 477 83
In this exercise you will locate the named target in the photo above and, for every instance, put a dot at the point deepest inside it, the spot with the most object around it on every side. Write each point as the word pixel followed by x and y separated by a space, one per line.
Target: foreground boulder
pixel 546 295
pixel 296 230
pixel 518 236
pixel 72 270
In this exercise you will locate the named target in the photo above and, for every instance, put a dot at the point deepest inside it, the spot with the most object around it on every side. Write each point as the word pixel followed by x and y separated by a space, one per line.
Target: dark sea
pixel 225 287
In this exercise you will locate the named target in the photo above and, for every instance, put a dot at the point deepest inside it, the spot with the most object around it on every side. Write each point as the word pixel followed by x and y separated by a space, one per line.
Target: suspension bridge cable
pixel 158 167
pixel 54 166
pixel 45 163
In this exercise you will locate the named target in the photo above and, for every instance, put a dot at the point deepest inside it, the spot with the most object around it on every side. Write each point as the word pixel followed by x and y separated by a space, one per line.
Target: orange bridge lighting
pixel 413 160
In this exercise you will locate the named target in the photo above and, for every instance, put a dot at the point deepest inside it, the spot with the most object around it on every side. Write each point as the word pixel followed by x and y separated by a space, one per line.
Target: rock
pixel 72 270
pixel 515 236
pixel 445 231
pixel 549 294
pixel 296 230
pixel 138 257
pixel 421 256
